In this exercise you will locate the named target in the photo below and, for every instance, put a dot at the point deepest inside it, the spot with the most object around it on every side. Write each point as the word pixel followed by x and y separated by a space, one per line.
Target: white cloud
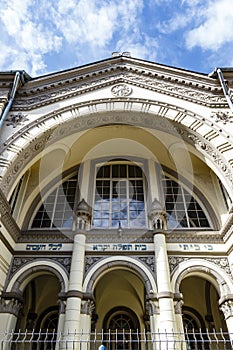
pixel 28 38
pixel 216 28
pixel 95 22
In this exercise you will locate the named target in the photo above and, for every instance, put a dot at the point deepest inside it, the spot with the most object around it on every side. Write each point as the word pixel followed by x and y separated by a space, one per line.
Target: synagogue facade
pixel 116 189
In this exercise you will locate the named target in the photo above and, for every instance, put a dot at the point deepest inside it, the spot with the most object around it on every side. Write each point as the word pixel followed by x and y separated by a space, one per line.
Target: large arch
pixel 142 113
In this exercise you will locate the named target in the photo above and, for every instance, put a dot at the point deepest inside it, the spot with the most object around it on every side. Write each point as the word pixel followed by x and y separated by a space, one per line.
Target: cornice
pixel 207 92
pixel 128 236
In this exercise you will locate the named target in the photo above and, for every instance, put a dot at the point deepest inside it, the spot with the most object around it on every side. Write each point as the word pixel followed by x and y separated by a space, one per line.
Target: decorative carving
pixel 121 90
pixel 12 306
pixel 18 262
pixel 90 261
pixel 223 263
pixel 227 308
pixel 149 261
pixel 87 307
pixel 220 116
pixel 174 261
pixel 65 261
pixel 16 119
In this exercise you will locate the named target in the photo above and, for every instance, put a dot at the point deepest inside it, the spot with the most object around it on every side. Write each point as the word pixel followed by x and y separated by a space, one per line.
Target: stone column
pixel 165 296
pixel 72 322
pixel 226 307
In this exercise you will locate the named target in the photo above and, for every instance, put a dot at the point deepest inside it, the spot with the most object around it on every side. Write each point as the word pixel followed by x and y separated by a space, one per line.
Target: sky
pixel 44 36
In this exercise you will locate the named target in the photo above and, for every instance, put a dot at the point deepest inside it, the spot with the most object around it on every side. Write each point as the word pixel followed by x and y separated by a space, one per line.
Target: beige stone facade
pixel 116 188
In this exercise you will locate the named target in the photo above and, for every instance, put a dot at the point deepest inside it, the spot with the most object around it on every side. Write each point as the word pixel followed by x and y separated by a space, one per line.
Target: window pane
pixel 58 206
pixel 182 208
pixel 123 196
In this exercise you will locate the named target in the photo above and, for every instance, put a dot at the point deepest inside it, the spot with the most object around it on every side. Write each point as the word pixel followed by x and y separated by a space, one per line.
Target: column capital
pixel 87 307
pixel 152 307
pixel 227 308
pixel 178 307
pixel 10 306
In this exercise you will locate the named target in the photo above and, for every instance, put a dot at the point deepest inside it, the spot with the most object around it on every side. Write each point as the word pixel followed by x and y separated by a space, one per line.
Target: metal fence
pixel 116 340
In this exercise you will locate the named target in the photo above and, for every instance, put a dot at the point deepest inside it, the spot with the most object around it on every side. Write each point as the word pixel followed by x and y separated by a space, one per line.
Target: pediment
pixel 174 82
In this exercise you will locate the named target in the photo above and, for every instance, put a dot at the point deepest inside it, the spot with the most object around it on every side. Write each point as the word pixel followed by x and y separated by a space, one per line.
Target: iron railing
pixel 116 340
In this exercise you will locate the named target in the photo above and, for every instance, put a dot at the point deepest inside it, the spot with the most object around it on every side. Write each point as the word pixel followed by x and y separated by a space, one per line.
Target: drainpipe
pixel 224 87
pixel 11 99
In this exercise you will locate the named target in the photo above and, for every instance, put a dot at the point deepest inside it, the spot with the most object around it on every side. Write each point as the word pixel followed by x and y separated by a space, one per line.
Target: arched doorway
pixel 40 310
pixel 201 304
pixel 119 296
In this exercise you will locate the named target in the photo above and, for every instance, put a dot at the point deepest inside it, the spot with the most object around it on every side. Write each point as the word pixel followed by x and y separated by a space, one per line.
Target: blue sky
pixel 43 36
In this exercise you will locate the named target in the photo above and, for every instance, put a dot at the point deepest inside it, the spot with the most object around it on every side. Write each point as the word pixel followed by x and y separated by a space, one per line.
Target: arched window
pixel 182 208
pixel 119 196
pixel 57 208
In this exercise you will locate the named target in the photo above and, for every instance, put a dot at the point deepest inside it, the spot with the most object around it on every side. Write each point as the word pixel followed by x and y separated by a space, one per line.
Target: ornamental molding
pixel 34 236
pixel 93 119
pixel 6 217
